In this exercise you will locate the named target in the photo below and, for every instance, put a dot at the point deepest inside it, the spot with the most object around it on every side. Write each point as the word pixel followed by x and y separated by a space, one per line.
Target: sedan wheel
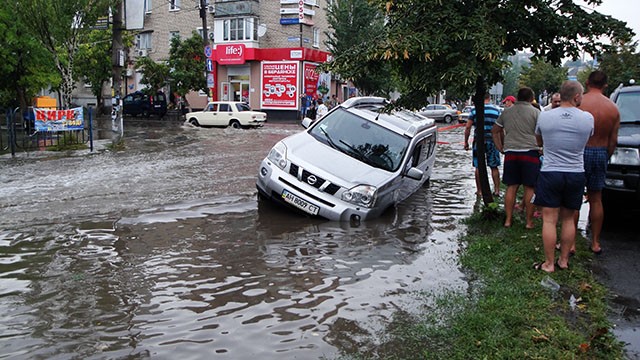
pixel 194 122
pixel 447 119
pixel 235 124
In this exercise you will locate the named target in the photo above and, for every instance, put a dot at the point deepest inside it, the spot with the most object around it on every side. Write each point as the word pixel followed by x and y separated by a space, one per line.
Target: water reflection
pixel 226 274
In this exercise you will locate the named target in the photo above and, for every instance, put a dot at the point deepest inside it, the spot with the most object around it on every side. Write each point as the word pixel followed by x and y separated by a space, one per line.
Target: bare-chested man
pixel 599 148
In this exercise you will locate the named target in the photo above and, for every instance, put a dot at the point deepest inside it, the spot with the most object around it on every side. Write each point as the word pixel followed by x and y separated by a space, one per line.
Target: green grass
pixel 506 313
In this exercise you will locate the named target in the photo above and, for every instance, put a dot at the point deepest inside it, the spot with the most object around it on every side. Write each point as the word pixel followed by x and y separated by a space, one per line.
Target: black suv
pixel 139 103
pixel 623 172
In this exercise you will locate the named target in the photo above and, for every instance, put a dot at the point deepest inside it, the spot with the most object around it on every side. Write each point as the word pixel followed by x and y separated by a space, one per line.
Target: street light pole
pixel 117 62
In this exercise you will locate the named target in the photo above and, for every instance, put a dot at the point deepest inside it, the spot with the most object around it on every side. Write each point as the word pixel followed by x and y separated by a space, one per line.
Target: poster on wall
pixel 310 79
pixel 279 85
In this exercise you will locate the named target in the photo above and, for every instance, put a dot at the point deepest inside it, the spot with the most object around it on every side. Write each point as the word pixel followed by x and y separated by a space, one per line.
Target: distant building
pixel 263 52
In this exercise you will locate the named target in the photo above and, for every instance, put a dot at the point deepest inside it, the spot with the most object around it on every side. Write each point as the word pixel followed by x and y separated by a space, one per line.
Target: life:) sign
pixel 232 54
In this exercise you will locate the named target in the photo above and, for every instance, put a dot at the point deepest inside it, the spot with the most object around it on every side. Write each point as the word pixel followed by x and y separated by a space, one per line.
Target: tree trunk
pixel 478 138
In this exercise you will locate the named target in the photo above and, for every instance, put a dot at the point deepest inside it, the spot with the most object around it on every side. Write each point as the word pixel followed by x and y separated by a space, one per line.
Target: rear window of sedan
pixel 243 107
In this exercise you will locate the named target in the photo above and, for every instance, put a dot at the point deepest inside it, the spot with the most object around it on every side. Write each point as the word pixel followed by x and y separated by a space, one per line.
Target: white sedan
pixel 227 113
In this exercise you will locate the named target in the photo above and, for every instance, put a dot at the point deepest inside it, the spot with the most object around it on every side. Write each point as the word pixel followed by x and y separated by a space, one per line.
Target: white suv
pixel 353 164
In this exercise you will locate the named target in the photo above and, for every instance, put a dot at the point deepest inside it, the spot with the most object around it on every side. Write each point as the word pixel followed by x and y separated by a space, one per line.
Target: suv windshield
pixel 629 106
pixel 361 139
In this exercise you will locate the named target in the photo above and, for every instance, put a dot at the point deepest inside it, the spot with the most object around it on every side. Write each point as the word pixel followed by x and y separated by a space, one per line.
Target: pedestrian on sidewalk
pixel 563 132
pixel 599 149
pixel 514 136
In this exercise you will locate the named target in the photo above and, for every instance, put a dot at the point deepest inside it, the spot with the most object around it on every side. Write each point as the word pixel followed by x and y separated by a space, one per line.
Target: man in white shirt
pixel 322 110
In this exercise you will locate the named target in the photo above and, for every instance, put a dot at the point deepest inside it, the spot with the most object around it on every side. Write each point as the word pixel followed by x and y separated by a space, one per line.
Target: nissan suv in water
pixel 623 171
pixel 353 164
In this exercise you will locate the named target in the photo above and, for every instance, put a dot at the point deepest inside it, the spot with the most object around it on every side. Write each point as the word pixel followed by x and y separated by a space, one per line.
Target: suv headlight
pixel 364 195
pixel 278 155
pixel 625 156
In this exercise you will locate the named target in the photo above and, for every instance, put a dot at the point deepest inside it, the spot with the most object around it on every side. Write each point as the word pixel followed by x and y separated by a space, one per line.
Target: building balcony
pixel 235 8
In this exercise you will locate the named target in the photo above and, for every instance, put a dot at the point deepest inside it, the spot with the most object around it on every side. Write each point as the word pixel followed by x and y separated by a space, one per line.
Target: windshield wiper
pixel 329 140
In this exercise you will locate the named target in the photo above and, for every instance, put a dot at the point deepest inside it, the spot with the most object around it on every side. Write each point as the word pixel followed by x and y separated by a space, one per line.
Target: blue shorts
pixel 559 189
pixel 492 155
pixel 595 167
pixel 521 168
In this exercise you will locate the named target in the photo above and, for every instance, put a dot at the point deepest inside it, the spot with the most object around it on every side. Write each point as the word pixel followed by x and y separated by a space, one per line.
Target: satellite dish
pixel 262 29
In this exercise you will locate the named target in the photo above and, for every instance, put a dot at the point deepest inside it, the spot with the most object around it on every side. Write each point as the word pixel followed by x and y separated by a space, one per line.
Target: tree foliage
pixel 93 61
pixel 155 75
pixel 58 26
pixel 357 26
pixel 543 76
pixel 433 45
pixel 621 65
pixel 25 66
pixel 187 65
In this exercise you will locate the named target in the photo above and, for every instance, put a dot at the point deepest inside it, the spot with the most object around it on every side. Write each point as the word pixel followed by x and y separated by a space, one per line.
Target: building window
pixel 147 6
pixel 239 29
pixel 175 5
pixel 173 34
pixel 143 41
pixel 316 37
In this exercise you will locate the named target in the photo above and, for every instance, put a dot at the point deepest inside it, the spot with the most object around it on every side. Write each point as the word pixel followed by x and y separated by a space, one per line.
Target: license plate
pixel 300 203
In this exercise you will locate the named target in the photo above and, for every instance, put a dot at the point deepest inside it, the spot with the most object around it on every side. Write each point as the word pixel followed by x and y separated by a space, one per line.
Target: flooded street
pixel 163 250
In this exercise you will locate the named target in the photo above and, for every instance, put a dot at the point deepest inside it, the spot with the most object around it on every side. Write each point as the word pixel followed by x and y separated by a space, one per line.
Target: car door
pixel 225 112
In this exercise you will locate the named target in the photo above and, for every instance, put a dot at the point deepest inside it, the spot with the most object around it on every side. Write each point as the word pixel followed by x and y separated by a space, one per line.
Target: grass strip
pixel 506 313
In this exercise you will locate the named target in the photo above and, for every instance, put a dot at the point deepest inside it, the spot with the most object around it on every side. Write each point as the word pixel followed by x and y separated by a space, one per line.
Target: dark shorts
pixel 559 189
pixel 521 168
pixel 491 153
pixel 595 167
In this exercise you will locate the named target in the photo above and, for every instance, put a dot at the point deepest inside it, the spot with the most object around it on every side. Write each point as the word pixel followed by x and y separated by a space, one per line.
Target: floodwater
pixel 163 250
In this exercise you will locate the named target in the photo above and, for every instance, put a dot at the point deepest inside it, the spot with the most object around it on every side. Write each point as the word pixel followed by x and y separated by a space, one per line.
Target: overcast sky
pixel 625 10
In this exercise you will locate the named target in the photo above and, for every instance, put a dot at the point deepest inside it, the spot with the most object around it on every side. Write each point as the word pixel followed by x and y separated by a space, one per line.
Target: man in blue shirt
pixel 492 155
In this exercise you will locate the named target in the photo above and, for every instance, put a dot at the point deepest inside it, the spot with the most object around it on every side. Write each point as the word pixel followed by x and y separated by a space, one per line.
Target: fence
pixel 18 134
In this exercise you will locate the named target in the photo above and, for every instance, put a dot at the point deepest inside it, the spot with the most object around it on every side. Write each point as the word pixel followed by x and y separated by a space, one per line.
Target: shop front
pixel 278 81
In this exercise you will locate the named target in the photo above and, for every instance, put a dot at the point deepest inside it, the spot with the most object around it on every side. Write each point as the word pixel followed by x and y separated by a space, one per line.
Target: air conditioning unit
pixel 142 52
pixel 211 9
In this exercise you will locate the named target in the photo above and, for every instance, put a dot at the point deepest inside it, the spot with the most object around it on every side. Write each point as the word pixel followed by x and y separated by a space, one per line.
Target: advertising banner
pixel 58 120
pixel 310 79
pixel 279 85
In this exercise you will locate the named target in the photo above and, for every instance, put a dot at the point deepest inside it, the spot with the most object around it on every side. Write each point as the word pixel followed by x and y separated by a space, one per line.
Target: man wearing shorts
pixel 514 135
pixel 563 132
pixel 492 155
pixel 599 148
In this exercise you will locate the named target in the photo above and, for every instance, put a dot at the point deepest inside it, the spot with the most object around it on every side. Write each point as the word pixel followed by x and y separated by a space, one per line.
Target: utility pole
pixel 117 62
pixel 203 15
pixel 205 32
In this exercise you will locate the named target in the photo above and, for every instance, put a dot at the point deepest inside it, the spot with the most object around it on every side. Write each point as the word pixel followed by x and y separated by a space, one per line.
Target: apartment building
pixel 263 52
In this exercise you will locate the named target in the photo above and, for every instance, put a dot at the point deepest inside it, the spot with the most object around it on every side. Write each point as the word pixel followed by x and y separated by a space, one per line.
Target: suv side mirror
pixel 414 173
pixel 306 122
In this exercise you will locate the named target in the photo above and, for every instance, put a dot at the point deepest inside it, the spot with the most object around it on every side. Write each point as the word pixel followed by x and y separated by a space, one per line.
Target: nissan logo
pixel 311 179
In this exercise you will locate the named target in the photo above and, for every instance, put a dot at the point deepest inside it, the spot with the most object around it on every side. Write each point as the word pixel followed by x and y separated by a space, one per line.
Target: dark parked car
pixel 623 172
pixel 139 103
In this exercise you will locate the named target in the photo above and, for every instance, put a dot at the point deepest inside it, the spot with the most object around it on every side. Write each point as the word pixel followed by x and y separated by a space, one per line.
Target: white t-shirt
pixel 565 132
pixel 322 111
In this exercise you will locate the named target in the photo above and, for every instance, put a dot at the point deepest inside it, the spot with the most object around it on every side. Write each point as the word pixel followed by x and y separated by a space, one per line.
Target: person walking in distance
pixel 322 110
pixel 491 113
pixel 599 148
pixel 563 132
pixel 514 136
pixel 554 103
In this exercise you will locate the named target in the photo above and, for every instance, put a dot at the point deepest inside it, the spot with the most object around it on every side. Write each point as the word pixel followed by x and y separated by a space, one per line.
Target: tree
pixel 58 26
pixel 434 45
pixel 187 64
pixel 25 66
pixel 621 65
pixel 357 27
pixel 93 62
pixel 154 75
pixel 543 76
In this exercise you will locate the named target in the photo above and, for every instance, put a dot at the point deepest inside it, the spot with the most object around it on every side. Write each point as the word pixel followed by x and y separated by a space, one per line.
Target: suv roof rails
pixel 365 101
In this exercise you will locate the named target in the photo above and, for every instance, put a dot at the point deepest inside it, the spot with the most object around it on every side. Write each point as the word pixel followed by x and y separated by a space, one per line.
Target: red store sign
pixel 232 54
